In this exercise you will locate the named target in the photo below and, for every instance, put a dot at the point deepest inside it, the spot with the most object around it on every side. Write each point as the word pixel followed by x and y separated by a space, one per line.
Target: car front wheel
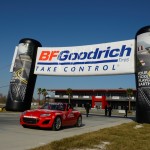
pixel 24 126
pixel 79 122
pixel 57 124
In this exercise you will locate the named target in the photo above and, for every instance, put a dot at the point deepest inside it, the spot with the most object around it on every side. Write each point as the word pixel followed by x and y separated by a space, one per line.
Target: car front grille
pixel 30 120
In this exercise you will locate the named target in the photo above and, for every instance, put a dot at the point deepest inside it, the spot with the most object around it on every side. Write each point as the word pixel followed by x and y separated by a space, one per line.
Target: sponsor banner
pixel 143 57
pixel 143 76
pixel 98 59
pixel 13 60
pixel 23 80
pixel 21 65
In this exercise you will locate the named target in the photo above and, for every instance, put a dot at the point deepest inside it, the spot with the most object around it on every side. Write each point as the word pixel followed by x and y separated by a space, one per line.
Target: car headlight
pixel 45 115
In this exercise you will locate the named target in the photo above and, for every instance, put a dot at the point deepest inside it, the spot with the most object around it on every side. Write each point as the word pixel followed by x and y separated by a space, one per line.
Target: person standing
pixel 87 108
pixel 109 110
pixel 126 111
pixel 106 110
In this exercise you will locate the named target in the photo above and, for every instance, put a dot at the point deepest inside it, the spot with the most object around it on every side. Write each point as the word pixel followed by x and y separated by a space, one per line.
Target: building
pixel 117 98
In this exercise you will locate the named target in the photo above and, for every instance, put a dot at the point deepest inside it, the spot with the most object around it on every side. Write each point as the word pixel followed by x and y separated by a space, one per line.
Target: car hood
pixel 38 112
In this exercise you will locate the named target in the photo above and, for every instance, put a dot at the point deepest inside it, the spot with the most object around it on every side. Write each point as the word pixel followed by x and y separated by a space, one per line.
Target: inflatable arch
pixel 123 57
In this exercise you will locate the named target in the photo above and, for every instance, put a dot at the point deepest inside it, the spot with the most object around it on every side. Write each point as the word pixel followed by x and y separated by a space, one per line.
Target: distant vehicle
pixel 51 115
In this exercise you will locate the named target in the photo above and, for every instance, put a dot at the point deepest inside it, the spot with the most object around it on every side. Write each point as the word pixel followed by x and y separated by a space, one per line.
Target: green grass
pixel 122 137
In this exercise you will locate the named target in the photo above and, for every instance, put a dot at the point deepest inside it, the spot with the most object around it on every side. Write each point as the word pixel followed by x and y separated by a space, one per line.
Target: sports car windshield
pixel 54 106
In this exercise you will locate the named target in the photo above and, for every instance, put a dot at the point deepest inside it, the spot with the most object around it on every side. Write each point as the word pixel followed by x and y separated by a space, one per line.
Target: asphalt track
pixel 14 137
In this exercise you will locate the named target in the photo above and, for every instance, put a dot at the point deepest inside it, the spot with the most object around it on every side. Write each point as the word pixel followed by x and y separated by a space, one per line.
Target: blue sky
pixel 57 23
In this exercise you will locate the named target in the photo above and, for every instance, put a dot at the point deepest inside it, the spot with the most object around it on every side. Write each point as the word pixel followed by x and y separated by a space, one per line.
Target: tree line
pixel 3 98
pixel 40 92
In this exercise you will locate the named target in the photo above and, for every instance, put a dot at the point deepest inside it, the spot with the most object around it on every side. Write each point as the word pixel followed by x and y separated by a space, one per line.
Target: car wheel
pixel 57 124
pixel 24 126
pixel 79 122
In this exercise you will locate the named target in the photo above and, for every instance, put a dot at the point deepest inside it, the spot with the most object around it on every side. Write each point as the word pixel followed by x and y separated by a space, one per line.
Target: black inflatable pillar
pixel 23 78
pixel 143 75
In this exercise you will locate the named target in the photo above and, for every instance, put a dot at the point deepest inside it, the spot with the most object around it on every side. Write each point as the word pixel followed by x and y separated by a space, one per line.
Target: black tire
pixel 79 122
pixel 57 124
pixel 24 126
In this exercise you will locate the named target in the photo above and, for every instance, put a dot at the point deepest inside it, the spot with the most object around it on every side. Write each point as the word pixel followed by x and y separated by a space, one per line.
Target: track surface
pixel 14 137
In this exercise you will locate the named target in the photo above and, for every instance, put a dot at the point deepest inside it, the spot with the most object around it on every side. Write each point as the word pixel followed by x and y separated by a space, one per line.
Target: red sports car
pixel 51 115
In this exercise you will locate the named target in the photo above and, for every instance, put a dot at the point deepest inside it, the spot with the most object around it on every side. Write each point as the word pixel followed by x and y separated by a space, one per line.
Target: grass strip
pixel 128 136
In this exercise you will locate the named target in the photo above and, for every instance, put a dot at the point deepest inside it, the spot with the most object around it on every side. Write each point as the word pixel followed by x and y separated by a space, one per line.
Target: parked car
pixel 51 115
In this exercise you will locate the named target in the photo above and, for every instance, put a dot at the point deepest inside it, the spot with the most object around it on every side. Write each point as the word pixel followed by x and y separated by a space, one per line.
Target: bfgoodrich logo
pixel 86 60
pixel 65 57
